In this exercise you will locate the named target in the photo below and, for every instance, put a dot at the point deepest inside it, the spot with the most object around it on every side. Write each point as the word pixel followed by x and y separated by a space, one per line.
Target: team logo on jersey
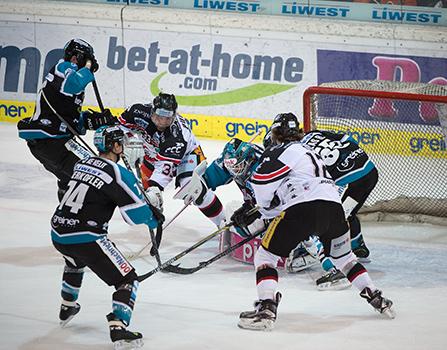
pixel 45 122
pixel 175 149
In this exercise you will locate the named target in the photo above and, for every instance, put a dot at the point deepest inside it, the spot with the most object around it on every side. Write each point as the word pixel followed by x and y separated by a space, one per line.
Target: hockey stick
pixel 137 254
pixel 157 213
pixel 98 96
pixel 190 270
pixel 167 265
pixel 72 130
pixel 156 239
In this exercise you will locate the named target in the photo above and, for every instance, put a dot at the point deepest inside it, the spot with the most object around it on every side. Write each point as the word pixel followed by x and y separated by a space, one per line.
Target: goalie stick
pixel 189 270
pixel 166 266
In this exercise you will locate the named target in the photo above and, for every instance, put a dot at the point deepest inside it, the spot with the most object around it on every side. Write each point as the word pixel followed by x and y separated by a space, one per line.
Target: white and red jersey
pixel 289 174
pixel 164 150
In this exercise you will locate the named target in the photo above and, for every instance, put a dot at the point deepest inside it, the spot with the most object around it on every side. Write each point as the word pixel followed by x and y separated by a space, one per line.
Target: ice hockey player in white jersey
pixel 79 232
pixel 355 174
pixel 237 162
pixel 293 187
pixel 170 151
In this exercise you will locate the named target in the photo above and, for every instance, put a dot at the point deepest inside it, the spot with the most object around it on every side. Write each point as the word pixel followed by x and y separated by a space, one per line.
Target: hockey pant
pixel 58 156
pixel 107 262
pixel 296 224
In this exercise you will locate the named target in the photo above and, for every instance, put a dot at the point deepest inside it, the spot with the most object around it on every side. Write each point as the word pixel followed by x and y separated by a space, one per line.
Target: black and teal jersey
pixel 62 92
pixel 344 159
pixel 96 188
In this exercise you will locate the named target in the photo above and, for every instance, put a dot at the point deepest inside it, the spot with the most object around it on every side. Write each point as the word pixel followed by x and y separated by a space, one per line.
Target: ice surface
pixel 200 311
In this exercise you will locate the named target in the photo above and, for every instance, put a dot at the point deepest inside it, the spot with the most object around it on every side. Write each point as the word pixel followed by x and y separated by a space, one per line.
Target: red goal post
pixel 403 127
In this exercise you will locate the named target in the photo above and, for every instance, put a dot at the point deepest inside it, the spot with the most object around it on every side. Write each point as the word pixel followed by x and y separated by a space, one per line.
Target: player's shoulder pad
pixel 65 67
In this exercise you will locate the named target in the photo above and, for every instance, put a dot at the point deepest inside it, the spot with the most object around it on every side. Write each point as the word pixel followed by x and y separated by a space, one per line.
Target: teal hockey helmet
pixel 240 158
pixel 105 136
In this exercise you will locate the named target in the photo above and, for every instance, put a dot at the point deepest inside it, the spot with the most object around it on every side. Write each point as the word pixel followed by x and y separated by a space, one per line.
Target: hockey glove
pixel 245 216
pixel 155 197
pixel 95 66
pixel 133 149
pixel 93 120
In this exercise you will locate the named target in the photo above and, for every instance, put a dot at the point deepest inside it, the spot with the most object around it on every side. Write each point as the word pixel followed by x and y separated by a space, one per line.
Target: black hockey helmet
pixel 285 127
pixel 105 137
pixel 165 105
pixel 79 48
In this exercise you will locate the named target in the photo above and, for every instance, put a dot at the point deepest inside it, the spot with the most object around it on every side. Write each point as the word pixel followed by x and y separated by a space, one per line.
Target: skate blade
pixel 364 260
pixel 389 313
pixel 261 325
pixel 128 345
pixel 339 285
pixel 62 324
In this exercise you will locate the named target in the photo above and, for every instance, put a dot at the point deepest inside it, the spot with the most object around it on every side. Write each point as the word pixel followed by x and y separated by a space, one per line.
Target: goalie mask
pixel 79 48
pixel 285 127
pixel 106 136
pixel 240 159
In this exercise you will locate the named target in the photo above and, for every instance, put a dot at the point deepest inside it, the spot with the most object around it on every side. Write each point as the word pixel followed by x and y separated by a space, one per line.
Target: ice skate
pixel 263 317
pixel 122 338
pixel 67 312
pixel 299 260
pixel 378 302
pixel 333 280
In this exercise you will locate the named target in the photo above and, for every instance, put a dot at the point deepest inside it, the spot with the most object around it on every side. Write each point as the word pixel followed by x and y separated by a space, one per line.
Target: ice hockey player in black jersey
pixel 292 186
pixel 79 232
pixel 170 150
pixel 58 105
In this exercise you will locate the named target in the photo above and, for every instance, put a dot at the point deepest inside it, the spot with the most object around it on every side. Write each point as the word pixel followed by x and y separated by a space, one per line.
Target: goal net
pixel 403 127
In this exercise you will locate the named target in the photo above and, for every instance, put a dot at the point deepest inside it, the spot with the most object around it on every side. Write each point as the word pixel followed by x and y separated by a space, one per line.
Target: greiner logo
pixel 249 128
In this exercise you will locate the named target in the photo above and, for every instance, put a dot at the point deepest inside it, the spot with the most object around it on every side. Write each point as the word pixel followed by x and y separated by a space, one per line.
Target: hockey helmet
pixel 240 158
pixel 105 137
pixel 285 127
pixel 165 107
pixel 79 48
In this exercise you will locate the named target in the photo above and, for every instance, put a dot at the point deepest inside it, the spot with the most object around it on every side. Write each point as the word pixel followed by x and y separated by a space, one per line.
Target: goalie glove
pixel 155 197
pixel 133 149
pixel 195 190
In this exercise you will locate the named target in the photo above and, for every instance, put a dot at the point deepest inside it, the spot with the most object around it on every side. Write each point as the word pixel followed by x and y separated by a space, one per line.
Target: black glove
pixel 93 120
pixel 245 215
pixel 95 66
